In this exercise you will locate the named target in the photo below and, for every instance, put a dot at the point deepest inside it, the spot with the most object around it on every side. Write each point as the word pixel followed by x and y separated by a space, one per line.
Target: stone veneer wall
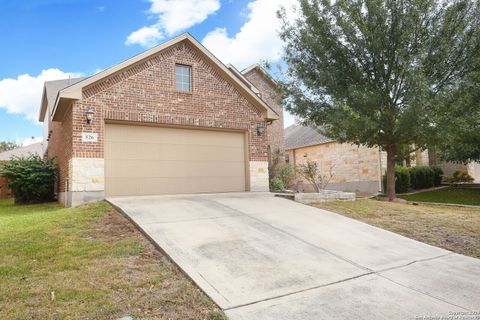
pixel 356 168
pixel 259 176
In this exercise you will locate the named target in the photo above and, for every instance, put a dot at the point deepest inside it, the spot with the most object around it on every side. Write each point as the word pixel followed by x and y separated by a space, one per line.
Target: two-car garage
pixel 149 160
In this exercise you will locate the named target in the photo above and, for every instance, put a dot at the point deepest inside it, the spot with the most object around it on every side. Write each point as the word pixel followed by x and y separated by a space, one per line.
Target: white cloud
pixel 146 37
pixel 32 140
pixel 22 95
pixel 257 39
pixel 173 16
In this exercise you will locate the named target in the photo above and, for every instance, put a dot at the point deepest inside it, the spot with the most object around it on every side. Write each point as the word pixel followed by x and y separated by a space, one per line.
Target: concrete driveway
pixel 263 257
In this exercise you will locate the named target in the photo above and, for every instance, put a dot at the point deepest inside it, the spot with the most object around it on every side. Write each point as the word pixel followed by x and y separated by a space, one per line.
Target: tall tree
pixel 459 140
pixel 369 72
pixel 7 145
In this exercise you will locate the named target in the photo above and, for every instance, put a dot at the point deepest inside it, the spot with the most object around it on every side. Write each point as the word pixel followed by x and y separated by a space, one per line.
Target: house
pixel 353 168
pixel 173 119
pixel 32 149
pixel 429 158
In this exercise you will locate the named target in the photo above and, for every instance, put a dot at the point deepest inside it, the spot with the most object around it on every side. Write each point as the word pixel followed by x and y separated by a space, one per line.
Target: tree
pixel 459 140
pixel 8 145
pixel 370 72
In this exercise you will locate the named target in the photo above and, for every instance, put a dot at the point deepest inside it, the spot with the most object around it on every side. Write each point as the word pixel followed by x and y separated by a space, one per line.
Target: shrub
pixel 459 177
pixel 402 179
pixel 437 175
pixel 422 177
pixel 30 178
pixel 313 174
pixel 287 175
pixel 276 184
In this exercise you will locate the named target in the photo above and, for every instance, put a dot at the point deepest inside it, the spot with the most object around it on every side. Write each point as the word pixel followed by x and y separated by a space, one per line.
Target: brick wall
pixel 4 191
pixel 145 92
pixel 275 131
pixel 60 147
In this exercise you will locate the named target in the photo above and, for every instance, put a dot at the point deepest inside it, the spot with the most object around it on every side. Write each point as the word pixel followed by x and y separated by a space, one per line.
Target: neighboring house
pixel 173 119
pixel 426 158
pixel 354 168
pixel 33 149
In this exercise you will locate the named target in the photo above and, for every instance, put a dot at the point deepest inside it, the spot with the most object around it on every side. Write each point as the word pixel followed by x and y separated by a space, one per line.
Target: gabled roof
pixel 297 136
pixel 74 92
pixel 50 92
pixel 33 149
pixel 259 68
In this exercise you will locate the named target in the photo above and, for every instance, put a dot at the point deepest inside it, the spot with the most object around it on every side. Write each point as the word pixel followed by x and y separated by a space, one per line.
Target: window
pixel 182 78
pixel 287 158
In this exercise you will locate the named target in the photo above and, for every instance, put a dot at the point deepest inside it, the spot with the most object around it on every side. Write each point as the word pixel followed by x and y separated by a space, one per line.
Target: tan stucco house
pixel 173 119
pixel 354 168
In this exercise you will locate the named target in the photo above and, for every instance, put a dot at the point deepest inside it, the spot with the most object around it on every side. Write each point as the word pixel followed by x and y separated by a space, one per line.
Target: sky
pixel 45 40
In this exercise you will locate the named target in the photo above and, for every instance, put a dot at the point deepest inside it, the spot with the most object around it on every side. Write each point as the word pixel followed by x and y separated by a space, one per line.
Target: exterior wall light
pixel 89 115
pixel 260 128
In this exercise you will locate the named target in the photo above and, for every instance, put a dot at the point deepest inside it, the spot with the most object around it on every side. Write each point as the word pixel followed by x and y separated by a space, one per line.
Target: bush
pixel 438 175
pixel 276 184
pixel 459 177
pixel 402 180
pixel 422 177
pixel 287 175
pixel 30 178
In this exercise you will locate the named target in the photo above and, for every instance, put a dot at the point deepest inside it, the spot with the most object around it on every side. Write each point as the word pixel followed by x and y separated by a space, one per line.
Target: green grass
pixel 453 228
pixel 467 196
pixel 96 263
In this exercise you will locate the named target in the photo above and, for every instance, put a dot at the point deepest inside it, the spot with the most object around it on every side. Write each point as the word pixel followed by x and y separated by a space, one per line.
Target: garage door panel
pixel 153 168
pixel 165 185
pixel 145 160
pixel 134 151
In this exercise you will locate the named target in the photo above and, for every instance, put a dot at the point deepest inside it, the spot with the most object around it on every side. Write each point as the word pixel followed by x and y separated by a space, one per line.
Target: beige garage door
pixel 148 160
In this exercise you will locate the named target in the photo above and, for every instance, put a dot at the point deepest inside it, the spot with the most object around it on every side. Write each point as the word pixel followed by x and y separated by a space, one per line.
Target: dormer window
pixel 183 75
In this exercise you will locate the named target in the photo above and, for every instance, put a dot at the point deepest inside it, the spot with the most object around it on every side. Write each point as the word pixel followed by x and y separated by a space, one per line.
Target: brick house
pixel 173 119
pixel 354 168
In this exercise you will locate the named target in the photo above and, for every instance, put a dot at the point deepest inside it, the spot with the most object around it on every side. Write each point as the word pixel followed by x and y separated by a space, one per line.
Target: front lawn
pixel 452 228
pixel 88 263
pixel 455 195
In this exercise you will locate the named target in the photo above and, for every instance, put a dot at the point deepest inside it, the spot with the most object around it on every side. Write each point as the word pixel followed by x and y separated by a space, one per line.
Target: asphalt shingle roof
pixel 52 87
pixel 297 136
pixel 36 148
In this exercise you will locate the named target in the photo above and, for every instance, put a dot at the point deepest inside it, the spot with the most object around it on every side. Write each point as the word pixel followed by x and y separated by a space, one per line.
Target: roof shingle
pixel 33 149
pixel 297 136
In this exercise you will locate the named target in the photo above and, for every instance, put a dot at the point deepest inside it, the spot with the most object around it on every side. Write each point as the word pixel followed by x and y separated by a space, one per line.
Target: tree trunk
pixel 390 172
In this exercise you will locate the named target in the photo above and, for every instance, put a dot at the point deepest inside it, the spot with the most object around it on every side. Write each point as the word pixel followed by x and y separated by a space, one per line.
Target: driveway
pixel 263 257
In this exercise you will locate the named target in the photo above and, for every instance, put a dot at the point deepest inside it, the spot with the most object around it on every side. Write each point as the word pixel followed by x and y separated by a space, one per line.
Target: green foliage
pixel 276 184
pixel 402 179
pixel 421 177
pixel 286 174
pixel 459 140
pixel 459 177
pixel 281 174
pixel 8 145
pixel 30 178
pixel 376 73
pixel 437 175
pixel 313 174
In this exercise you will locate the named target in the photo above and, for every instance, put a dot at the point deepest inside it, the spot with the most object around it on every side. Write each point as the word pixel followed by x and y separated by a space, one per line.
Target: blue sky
pixel 52 39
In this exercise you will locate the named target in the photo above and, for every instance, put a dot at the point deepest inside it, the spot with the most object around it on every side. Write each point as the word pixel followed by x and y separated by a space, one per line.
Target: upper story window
pixel 183 75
